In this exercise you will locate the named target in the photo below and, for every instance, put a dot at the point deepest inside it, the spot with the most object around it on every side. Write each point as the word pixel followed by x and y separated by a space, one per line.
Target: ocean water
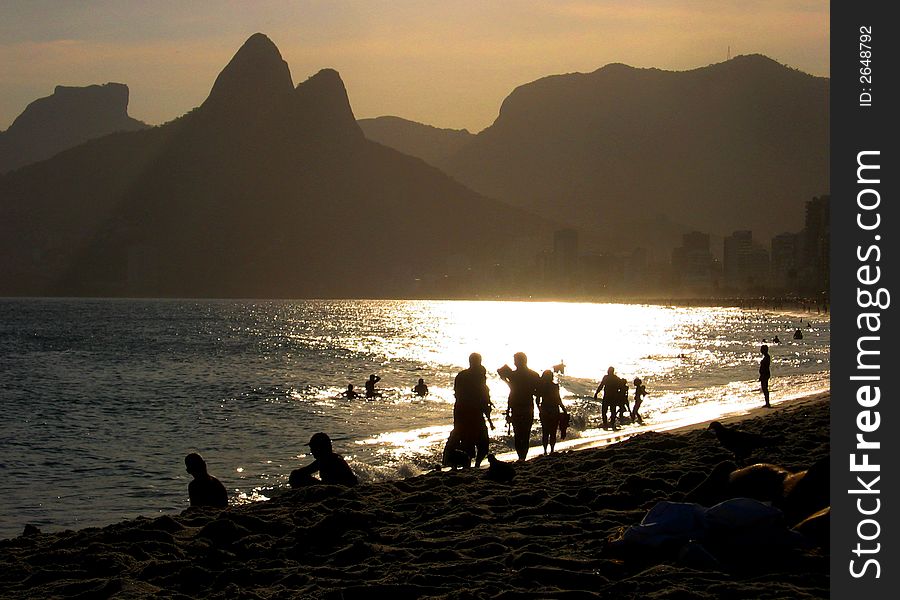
pixel 101 399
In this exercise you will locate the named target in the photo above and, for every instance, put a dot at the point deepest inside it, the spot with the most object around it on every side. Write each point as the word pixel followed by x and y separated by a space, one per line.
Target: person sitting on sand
pixel 550 405
pixel 610 387
pixel 420 390
pixel 332 467
pixel 370 386
pixel 204 489
pixel 350 393
pixel 639 392
pixel 765 372
pixel 523 387
pixel 472 408
pixel 455 455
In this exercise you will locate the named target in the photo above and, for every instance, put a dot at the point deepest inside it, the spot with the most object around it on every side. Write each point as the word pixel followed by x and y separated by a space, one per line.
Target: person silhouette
pixel 639 392
pixel 765 372
pixel 622 395
pixel 350 393
pixel 370 386
pixel 523 387
pixel 332 467
pixel 204 489
pixel 472 408
pixel 549 410
pixel 420 389
pixel 611 389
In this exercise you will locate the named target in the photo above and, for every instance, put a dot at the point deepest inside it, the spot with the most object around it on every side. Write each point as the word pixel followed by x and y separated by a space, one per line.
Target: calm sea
pixel 101 399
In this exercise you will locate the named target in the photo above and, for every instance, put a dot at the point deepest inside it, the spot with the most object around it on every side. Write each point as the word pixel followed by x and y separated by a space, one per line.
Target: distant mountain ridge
pixel 734 145
pixel 69 117
pixel 265 190
pixel 431 144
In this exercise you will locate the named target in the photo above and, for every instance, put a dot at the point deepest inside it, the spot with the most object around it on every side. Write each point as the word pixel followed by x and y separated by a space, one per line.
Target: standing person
pixel 639 392
pixel 332 467
pixel 765 372
pixel 204 490
pixel 421 389
pixel 623 400
pixel 472 408
pixel 610 387
pixel 549 410
pixel 370 386
pixel 523 387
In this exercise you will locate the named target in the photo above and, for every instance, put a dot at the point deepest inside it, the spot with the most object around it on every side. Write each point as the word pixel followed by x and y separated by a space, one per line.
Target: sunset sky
pixel 448 64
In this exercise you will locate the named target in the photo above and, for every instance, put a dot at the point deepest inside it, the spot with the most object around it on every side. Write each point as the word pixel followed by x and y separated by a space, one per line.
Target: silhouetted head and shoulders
pixel 332 467
pixel 549 390
pixel 421 388
pixel 350 393
pixel 639 389
pixel 370 386
pixel 204 489
pixel 522 378
pixel 765 362
pixel 609 384
pixel 476 374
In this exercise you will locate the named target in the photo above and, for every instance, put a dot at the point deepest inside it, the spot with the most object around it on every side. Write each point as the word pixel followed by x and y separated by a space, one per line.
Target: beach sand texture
pixel 443 534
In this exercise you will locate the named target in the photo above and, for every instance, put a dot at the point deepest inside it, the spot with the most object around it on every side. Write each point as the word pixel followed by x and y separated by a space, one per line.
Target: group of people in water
pixel 371 393
pixel 420 389
pixel 615 398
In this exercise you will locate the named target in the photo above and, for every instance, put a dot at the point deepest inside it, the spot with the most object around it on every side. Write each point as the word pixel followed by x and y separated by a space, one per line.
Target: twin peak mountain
pixel 265 190
pixel 273 190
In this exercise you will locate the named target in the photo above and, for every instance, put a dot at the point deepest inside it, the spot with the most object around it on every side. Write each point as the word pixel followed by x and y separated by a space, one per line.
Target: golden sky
pixel 448 64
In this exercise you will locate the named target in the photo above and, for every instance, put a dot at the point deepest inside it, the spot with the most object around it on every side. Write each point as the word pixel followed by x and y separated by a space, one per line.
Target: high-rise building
pixel 817 244
pixel 746 263
pixel 786 258
pixel 692 262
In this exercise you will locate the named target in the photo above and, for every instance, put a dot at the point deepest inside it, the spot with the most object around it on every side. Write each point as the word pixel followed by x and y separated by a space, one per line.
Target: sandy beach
pixel 545 534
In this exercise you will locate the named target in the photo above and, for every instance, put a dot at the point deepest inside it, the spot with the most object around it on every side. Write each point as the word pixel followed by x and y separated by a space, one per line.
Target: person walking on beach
pixel 622 395
pixel 765 372
pixel 420 389
pixel 610 387
pixel 204 489
pixel 549 409
pixel 370 386
pixel 639 392
pixel 332 467
pixel 472 408
pixel 523 387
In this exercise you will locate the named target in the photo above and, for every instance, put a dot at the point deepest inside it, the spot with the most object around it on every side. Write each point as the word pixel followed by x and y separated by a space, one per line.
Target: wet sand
pixel 442 535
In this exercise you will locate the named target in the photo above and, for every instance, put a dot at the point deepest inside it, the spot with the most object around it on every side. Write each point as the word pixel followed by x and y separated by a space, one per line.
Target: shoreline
pixel 441 534
pixel 609 438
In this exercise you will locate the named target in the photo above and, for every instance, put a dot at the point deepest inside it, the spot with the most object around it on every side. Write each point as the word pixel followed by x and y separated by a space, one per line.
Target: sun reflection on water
pixel 696 362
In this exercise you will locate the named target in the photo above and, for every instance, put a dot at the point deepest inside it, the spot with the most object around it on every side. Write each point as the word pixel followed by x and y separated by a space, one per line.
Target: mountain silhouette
pixel 431 144
pixel 71 116
pixel 735 145
pixel 265 190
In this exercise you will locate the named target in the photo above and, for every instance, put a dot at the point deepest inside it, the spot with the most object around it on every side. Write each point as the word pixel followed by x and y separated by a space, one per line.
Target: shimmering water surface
pixel 101 399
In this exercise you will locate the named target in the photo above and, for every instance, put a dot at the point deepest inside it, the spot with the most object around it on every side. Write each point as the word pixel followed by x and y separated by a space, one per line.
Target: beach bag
pixel 563 425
